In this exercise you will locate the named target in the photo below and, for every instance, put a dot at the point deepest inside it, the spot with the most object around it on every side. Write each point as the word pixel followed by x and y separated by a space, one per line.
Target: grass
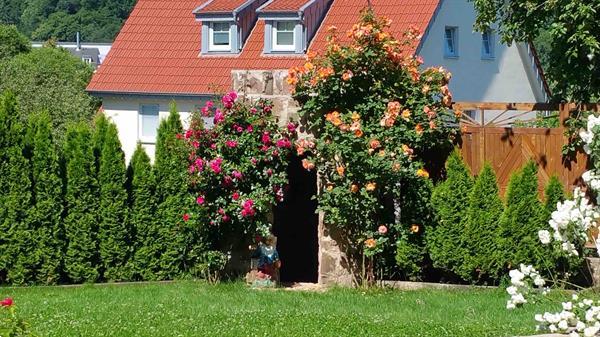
pixel 198 309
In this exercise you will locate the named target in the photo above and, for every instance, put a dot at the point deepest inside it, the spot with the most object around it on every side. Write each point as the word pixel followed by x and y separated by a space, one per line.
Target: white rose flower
pixel 590 331
pixel 539 318
pixel 510 305
pixel 544 236
pixel 563 325
pixel 567 306
pixel 512 290
pixel 538 281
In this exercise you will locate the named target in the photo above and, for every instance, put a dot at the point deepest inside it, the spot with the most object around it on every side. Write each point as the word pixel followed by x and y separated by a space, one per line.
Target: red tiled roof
pixel 284 5
pixel 158 48
pixel 220 6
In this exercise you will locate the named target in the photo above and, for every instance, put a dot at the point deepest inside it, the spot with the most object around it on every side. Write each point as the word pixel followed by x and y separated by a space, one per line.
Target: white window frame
pixel 87 59
pixel 490 40
pixel 454 38
pixel 211 45
pixel 278 47
pixel 141 137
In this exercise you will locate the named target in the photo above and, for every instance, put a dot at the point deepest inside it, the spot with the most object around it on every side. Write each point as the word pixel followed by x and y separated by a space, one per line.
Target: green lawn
pixel 197 309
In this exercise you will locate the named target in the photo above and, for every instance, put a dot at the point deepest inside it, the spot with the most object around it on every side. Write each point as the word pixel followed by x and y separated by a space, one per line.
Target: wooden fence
pixel 489 135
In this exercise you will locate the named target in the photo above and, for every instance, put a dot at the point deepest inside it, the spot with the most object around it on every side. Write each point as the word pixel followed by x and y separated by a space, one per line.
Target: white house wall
pixel 124 112
pixel 509 77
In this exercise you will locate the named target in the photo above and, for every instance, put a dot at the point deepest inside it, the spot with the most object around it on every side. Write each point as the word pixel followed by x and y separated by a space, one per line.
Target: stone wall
pixel 271 84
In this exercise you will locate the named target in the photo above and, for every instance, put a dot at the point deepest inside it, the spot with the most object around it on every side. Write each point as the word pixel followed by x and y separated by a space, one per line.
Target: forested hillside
pixel 96 20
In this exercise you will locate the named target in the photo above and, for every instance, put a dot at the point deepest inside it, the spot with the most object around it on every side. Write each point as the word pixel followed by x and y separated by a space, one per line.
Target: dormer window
pixel 283 36
pixel 219 36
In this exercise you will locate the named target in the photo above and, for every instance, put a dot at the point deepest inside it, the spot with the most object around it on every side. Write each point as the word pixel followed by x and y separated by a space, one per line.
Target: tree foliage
pixel 12 42
pixel 144 225
pixel 98 20
pixel 573 62
pixel 449 200
pixel 113 233
pixel 47 208
pixel 50 79
pixel 81 222
pixel 481 229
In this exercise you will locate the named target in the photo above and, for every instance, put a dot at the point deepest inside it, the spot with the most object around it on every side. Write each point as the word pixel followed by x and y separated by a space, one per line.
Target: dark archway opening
pixel 296 226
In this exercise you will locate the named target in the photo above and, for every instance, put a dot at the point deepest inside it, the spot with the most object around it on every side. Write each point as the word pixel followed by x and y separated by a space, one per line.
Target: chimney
pixel 78 41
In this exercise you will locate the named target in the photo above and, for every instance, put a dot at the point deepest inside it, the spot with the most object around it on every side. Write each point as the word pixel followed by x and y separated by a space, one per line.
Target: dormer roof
pixel 157 50
pixel 284 6
pixel 221 6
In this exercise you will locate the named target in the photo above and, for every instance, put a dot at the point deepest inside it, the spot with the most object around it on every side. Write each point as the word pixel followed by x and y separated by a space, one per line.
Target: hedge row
pixel 479 236
pixel 78 214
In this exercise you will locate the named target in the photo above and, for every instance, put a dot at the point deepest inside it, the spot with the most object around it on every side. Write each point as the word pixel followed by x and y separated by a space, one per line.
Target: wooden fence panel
pixel 508 148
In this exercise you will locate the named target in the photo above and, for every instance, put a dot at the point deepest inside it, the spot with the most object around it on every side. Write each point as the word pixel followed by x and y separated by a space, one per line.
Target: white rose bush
pixel 567 234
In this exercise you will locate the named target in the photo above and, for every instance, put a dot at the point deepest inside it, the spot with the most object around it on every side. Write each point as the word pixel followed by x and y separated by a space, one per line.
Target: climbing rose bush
pixel 238 166
pixel 370 112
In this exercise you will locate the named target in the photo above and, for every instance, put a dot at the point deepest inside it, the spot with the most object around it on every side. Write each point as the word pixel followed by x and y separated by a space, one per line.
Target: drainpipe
pixel 78 41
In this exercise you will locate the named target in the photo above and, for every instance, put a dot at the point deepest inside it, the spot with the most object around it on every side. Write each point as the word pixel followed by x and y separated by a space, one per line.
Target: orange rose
pixel 374 144
pixel 382 153
pixel 406 114
pixel 458 113
pixel 358 133
pixel 393 108
pixel 425 89
pixel 300 150
pixel 308 66
pixel 347 75
pixel 371 186
pixel 307 164
pixel 344 127
pixel 414 228
pixel 340 170
pixel 370 243
pixel 355 116
pixel 419 129
pixel 422 173
pixel 407 150
pixel 354 188
pixel 396 167
pixel 337 121
pixel 432 125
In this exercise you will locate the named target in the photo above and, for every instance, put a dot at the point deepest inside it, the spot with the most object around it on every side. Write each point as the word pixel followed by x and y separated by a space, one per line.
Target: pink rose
pixel 186 217
pixel 382 229
pixel 200 200
pixel 249 128
pixel 291 127
pixel 266 138
pixel 235 196
pixel 231 143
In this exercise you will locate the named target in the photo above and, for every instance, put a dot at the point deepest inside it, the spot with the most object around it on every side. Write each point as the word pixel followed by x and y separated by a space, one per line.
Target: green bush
pixel 174 201
pixel 12 42
pixel 521 220
pixel 81 222
pixel 144 224
pixel 553 194
pixel 113 234
pixel 46 214
pixel 17 258
pixel 479 238
pixel 449 201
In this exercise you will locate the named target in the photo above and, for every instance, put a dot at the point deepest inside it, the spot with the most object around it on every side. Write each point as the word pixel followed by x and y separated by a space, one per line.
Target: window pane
pixel 487 47
pixel 450 37
pixel 149 120
pixel 287 26
pixel 220 39
pixel 220 27
pixel 285 38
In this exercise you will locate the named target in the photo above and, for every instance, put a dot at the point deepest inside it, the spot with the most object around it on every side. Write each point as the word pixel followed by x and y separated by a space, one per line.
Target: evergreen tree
pixel 449 200
pixel 48 202
pixel 553 194
pixel 481 228
pixel 523 217
pixel 99 135
pixel 145 263
pixel 113 234
pixel 81 222
pixel 17 257
pixel 172 195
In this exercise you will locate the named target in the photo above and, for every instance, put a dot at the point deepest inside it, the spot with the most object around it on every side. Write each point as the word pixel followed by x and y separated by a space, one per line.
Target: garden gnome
pixel 268 258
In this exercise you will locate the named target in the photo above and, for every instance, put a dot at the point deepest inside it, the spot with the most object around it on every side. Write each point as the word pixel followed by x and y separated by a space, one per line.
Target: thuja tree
pixel 173 197
pixel 17 258
pixel 238 169
pixel 46 214
pixel 113 233
pixel 450 202
pixel 81 221
pixel 371 111
pixel 145 261
pixel 479 237
pixel 523 217
pixel 553 194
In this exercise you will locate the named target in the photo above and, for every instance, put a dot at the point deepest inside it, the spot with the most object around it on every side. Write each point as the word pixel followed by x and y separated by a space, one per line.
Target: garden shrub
pixel 416 218
pixel 450 201
pixel 46 214
pixel 113 232
pixel 479 238
pixel 521 220
pixel 17 258
pixel 238 170
pixel 370 112
pixel 173 197
pixel 553 194
pixel 144 225
pixel 81 221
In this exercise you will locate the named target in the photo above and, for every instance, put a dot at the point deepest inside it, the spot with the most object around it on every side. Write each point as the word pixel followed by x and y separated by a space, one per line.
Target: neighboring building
pixel 88 52
pixel 185 50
